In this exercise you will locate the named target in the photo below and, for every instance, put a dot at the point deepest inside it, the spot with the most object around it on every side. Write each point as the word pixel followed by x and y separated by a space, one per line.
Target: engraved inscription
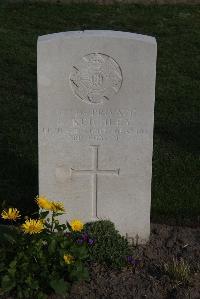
pixel 96 78
pixel 97 126
pixel 94 173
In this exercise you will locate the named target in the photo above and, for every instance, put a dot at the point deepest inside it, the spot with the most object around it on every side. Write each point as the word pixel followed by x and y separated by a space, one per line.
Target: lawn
pixel 176 163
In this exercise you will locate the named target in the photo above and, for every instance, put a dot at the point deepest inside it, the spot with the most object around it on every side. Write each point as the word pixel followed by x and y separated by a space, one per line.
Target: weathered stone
pixel 96 94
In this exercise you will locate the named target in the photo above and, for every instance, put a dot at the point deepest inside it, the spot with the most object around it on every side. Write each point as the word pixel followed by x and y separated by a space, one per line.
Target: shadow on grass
pixel 18 181
pixel 185 137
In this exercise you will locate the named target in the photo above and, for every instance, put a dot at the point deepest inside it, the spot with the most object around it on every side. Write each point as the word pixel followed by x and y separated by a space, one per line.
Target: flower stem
pixel 52 222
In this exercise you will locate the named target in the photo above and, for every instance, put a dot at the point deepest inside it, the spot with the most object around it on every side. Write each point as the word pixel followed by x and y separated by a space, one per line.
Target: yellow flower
pixel 33 226
pixel 11 214
pixel 76 225
pixel 68 258
pixel 44 203
pixel 57 206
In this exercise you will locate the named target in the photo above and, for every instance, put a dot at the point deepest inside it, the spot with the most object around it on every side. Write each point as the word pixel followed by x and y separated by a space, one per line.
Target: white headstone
pixel 96 92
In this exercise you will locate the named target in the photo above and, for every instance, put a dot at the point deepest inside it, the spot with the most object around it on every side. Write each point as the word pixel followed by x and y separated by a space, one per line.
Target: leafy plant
pixel 8 234
pixel 178 270
pixel 45 257
pixel 109 246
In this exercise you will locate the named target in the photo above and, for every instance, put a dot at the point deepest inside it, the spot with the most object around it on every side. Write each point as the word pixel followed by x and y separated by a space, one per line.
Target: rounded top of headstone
pixel 98 33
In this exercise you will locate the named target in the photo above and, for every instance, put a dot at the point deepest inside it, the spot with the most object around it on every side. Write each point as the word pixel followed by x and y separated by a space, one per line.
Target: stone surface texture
pixel 96 92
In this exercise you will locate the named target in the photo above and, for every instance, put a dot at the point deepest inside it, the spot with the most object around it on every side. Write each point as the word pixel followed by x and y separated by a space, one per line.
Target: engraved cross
pixel 94 173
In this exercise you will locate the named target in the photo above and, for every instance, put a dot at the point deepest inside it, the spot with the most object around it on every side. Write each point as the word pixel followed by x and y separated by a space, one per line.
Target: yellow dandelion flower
pixel 10 214
pixel 44 203
pixel 57 206
pixel 76 225
pixel 68 258
pixel 32 226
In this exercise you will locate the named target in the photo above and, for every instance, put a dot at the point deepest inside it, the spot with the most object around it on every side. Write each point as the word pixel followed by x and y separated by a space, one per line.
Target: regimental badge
pixel 96 78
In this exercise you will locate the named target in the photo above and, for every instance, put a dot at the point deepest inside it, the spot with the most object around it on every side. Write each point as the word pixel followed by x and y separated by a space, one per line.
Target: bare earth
pixel 149 280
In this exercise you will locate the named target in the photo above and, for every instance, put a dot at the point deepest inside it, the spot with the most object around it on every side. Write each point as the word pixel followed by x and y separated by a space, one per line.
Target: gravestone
pixel 96 92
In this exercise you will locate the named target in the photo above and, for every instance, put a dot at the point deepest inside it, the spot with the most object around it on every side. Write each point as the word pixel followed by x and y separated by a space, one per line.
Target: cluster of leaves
pixel 109 247
pixel 32 266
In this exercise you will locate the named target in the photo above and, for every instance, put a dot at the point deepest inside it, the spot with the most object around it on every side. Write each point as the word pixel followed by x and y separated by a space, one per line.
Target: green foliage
pixel 33 265
pixel 178 270
pixel 109 246
pixel 8 234
pixel 59 286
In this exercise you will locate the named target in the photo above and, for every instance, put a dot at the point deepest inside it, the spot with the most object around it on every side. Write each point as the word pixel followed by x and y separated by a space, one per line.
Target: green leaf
pixel 52 246
pixel 60 227
pixel 60 286
pixel 9 238
pixel 81 252
pixel 8 234
pixel 58 214
pixel 2 267
pixel 34 284
pixel 44 214
pixel 12 272
pixel 42 296
pixel 48 225
pixel 79 272
pixel 13 264
pixel 7 283
pixel 35 213
pixel 69 227
pixel 84 274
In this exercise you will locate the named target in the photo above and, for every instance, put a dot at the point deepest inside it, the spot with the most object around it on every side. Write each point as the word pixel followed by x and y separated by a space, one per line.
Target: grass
pixel 178 270
pixel 176 165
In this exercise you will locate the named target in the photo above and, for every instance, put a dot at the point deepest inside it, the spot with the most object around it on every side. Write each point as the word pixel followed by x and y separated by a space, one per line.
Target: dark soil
pixel 149 280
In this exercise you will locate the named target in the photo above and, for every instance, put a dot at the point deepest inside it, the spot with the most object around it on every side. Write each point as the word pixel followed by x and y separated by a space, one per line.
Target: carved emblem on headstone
pixel 96 78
